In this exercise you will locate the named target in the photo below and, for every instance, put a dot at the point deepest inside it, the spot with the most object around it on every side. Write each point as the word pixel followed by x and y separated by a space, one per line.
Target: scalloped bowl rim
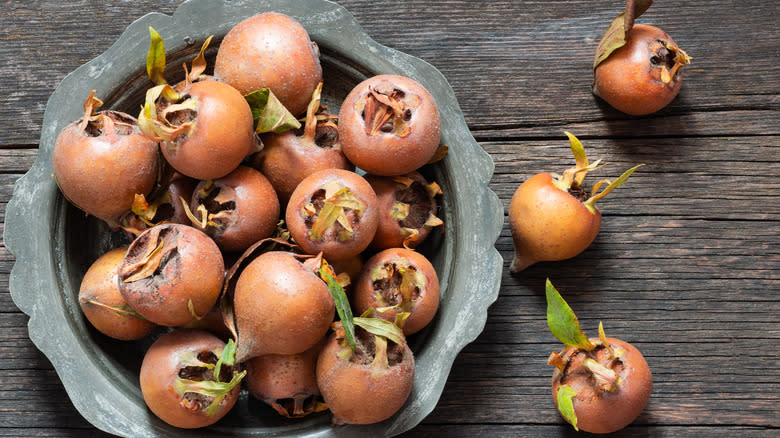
pixel 31 231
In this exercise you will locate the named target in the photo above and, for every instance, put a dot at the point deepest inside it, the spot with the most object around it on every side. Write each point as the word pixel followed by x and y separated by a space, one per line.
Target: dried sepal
pixel 338 199
pixel 148 265
pixel 385 112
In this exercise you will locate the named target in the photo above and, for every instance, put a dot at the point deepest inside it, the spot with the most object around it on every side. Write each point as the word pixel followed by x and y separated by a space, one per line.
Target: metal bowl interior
pixel 55 243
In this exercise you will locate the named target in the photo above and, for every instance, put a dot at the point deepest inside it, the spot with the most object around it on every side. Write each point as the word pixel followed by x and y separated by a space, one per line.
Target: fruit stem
pixel 607 378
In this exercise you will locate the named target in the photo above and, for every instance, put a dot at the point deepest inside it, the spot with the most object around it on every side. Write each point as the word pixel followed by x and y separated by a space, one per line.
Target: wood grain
pixel 687 262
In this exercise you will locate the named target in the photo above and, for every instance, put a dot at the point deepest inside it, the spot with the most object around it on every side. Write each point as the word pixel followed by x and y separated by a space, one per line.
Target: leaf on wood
pixel 562 321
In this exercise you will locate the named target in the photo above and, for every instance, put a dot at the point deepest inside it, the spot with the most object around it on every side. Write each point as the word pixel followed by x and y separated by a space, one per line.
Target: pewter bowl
pixel 54 243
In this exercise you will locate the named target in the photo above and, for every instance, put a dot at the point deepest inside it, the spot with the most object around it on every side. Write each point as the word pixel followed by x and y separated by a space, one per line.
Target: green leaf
pixel 228 358
pixel 562 321
pixel 155 60
pixel 383 328
pixel 342 304
pixel 615 36
pixel 269 113
pixel 579 155
pixel 565 397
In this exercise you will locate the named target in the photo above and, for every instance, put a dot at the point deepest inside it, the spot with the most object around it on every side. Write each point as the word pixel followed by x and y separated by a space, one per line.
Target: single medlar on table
pixel 638 68
pixel 553 217
pixel 600 385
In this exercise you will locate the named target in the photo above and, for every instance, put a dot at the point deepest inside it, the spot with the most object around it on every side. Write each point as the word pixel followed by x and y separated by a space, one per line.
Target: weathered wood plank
pixel 686 264
pixel 540 57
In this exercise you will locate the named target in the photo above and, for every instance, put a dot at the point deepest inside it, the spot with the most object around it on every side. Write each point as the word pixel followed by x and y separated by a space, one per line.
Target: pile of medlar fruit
pixel 245 225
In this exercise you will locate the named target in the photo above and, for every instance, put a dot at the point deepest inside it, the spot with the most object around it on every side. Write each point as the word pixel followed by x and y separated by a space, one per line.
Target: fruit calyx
pixel 297 406
pixel 168 116
pixel 413 207
pixel 371 343
pixel 205 379
pixel 320 128
pixel 332 204
pixel 387 111
pixel 216 207
pixel 158 248
pixel 668 58
pixel 571 180
pixel 397 285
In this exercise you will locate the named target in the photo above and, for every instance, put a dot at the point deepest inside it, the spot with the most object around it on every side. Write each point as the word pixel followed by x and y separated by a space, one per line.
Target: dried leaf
pixel 615 36
pixel 440 153
pixel 269 114
pixel 590 202
pixel 199 63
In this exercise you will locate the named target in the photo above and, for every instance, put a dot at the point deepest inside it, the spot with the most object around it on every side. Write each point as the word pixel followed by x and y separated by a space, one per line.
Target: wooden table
pixel 686 264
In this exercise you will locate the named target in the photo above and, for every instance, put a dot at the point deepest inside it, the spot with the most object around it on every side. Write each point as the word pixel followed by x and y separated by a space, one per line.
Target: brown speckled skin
pixel 387 153
pixel 279 376
pixel 362 394
pixel 280 306
pixel 423 308
pixel 329 245
pixel 223 134
pixel 600 411
pixel 101 175
pixel 271 50
pixel 286 159
pixel 627 80
pixel 100 284
pixel 256 211
pixel 195 274
pixel 160 368
pixel 548 224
